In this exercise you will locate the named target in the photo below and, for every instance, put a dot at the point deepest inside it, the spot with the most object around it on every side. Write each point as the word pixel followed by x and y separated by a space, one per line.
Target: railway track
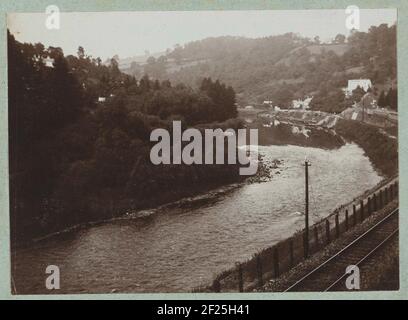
pixel 331 276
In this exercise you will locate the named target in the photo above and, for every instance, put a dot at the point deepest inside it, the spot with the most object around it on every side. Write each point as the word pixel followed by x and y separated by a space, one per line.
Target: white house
pixel 364 84
pixel 101 99
pixel 49 62
pixel 302 104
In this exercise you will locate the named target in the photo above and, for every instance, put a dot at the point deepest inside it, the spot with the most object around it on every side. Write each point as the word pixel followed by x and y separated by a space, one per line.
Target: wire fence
pixel 273 261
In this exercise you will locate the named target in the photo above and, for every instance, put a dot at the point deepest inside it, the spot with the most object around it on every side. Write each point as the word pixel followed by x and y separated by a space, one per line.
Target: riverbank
pixel 380 144
pixel 203 198
pixel 380 148
pixel 111 208
pixel 285 260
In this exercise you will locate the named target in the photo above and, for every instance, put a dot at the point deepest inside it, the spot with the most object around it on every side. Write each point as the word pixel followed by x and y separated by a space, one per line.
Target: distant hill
pixel 313 50
pixel 279 68
pixel 125 63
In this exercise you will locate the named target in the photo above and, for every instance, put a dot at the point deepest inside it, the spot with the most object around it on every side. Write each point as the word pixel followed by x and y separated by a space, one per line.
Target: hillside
pixel 281 68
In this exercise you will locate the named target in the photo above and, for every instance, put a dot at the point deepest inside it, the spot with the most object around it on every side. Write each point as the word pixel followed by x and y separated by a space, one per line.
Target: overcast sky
pixel 105 34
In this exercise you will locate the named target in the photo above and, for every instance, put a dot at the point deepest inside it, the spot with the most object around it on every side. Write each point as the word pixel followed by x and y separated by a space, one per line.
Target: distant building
pixel 302 104
pixel 364 84
pixel 268 102
pixel 49 62
pixel 101 99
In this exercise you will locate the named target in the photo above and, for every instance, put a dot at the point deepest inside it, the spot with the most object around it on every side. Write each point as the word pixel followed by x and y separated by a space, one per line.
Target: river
pixel 180 248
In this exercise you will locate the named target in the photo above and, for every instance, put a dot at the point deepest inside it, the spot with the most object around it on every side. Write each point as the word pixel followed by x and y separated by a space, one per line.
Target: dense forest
pixel 285 67
pixel 79 138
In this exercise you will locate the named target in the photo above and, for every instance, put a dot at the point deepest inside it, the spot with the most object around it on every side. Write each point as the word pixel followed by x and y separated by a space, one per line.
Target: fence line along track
pixel 329 275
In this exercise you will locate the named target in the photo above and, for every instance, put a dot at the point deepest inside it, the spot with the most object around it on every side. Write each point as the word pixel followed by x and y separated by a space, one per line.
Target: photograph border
pixel 9 6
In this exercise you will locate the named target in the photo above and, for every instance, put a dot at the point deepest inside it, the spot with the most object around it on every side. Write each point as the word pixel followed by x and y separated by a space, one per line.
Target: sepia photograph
pixel 203 151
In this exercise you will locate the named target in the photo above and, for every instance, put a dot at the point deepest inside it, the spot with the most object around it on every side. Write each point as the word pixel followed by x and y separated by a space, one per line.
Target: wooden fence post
pixel 276 262
pixel 316 234
pixel 354 214
pixel 389 194
pixel 216 285
pixel 259 269
pixel 347 220
pixel 291 255
pixel 383 198
pixel 386 195
pixel 328 231
pixel 337 225
pixel 306 245
pixel 362 210
pixel 240 277
pixel 380 198
pixel 374 202
pixel 396 190
pixel 369 205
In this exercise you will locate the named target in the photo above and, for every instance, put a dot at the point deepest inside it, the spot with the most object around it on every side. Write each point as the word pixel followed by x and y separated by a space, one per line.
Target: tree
pixel 43 101
pixel 135 69
pixel 357 94
pixel 283 96
pixel 145 84
pixel 330 101
pixel 340 39
pixel 177 54
pixel 151 60
pixel 114 66
pixel 382 100
pixel 223 98
pixel 392 98
pixel 81 52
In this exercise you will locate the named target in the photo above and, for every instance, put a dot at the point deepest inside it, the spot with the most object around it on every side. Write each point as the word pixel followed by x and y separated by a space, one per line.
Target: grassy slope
pixel 381 150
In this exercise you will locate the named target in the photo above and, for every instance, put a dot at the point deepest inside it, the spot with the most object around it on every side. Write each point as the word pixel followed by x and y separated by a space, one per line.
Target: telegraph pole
pixel 306 240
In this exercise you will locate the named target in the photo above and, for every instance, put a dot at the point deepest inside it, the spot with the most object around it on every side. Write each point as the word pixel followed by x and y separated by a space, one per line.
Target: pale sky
pixel 127 34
